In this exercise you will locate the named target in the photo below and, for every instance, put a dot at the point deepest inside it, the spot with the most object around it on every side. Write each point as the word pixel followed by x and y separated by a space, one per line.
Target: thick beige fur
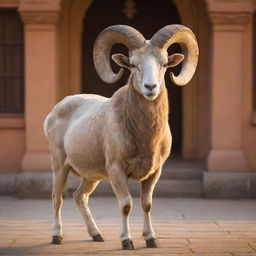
pixel 90 132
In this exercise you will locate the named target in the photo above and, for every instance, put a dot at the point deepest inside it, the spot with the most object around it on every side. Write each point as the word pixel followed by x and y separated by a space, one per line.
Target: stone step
pixel 183 170
pixel 39 185
pixel 181 173
pixel 164 188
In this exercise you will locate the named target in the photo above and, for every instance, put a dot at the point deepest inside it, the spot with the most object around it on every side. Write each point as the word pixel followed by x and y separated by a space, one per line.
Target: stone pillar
pixel 229 19
pixel 40 22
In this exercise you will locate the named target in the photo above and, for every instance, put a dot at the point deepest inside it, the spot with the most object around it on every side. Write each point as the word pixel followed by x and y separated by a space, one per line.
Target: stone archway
pixel 118 13
pixel 196 121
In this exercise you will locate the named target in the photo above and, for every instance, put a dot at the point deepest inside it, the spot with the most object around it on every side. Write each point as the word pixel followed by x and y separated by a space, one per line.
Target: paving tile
pixel 239 228
pixel 212 254
pixel 243 254
pixel 220 245
pixel 236 223
pixel 248 234
pixel 217 240
pixel 222 249
pixel 252 244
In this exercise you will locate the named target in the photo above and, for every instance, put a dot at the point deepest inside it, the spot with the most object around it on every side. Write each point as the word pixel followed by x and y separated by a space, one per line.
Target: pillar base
pixel 229 185
pixel 226 160
pixel 36 162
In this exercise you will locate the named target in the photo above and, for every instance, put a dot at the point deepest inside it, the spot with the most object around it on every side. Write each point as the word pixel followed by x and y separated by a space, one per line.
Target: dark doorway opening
pixel 147 16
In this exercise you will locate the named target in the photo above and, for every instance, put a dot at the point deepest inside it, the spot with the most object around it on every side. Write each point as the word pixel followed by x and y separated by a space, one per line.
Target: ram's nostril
pixel 150 86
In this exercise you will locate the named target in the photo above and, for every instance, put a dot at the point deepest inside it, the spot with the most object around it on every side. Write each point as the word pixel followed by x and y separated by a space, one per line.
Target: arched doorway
pixel 142 15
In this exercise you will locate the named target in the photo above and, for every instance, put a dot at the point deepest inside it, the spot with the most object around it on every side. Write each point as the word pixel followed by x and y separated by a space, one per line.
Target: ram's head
pixel 148 59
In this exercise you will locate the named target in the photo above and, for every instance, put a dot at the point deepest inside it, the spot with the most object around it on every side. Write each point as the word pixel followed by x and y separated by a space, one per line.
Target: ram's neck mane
pixel 145 120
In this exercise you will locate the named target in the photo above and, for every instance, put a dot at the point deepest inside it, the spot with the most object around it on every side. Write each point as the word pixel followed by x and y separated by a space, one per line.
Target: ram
pixel 123 137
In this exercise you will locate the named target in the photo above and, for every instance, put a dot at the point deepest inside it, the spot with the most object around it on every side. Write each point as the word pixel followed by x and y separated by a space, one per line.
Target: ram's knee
pixel 146 206
pixel 126 206
pixel 57 198
pixel 127 209
pixel 78 197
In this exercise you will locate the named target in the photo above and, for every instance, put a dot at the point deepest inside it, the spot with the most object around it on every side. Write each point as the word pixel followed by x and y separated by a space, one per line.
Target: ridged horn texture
pixel 182 35
pixel 123 34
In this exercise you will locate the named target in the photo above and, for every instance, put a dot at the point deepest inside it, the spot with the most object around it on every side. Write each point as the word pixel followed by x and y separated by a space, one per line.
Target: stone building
pixel 46 54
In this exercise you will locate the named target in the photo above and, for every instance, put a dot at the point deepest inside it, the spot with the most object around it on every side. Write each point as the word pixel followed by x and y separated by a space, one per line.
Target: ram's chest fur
pixel 147 137
pixel 146 153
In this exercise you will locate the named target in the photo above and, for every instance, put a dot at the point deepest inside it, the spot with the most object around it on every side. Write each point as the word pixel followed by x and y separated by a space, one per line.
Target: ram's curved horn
pixel 123 34
pixel 182 35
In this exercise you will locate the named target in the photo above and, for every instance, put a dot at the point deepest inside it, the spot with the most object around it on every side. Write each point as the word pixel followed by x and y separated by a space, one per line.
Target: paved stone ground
pixel 183 226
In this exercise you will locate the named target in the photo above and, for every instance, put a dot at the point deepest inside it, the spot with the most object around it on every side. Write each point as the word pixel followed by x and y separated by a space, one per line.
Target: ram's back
pixel 70 110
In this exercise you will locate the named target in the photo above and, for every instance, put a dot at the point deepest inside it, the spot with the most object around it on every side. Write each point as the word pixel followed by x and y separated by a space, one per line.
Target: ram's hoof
pixel 57 239
pixel 127 244
pixel 152 243
pixel 98 238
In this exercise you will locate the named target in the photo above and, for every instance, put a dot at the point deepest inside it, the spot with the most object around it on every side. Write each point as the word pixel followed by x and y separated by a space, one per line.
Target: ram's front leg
pixel 147 187
pixel 119 183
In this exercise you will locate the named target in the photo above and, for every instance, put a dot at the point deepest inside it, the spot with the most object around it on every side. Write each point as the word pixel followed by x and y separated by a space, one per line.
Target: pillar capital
pixel 230 6
pixel 40 17
pixel 40 12
pixel 229 21
pixel 230 15
pixel 230 18
pixel 39 5
pixel 9 3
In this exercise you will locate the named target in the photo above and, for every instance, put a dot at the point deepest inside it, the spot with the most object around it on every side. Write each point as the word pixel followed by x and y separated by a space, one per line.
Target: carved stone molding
pixel 40 5
pixel 229 5
pixel 9 3
pixel 224 18
pixel 40 12
pixel 44 17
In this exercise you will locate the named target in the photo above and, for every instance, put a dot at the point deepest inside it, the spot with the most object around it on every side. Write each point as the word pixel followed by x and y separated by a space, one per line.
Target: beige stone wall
pixel 12 137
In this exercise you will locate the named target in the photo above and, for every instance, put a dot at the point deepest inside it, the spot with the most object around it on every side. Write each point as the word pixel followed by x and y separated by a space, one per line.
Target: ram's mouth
pixel 150 96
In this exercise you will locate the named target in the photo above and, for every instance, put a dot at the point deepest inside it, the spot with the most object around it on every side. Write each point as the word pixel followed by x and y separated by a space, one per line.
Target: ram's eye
pixel 165 65
pixel 132 65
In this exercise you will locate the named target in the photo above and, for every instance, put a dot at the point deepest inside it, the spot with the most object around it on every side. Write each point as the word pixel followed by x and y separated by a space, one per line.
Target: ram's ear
pixel 121 60
pixel 175 59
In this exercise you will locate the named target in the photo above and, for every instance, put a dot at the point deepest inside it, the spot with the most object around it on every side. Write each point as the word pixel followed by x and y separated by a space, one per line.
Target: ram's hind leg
pixel 147 187
pixel 59 181
pixel 81 197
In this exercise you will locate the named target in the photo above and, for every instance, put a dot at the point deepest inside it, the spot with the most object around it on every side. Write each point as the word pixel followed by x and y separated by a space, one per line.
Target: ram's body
pixel 126 136
pixel 90 132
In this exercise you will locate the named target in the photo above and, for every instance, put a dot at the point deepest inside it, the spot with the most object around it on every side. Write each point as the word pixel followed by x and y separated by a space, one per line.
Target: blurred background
pixel 46 54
